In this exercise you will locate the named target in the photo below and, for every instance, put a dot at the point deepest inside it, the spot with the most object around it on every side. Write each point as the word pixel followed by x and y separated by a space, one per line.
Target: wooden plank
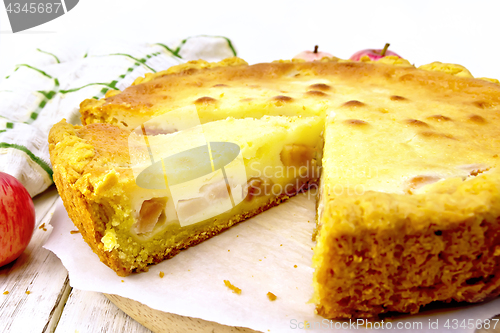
pixel 88 311
pixel 58 308
pixel 37 271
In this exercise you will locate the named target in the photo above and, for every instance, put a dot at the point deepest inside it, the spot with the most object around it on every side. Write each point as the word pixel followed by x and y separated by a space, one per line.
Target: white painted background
pixel 464 32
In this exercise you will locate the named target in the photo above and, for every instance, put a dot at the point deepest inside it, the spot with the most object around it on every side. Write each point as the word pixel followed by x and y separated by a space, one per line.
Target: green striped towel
pixel 53 82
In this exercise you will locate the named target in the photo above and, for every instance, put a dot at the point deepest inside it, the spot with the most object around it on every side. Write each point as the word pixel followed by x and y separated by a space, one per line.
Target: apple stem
pixel 315 48
pixel 384 49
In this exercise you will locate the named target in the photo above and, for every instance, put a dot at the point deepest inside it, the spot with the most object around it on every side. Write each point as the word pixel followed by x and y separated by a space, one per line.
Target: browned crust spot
pixel 415 122
pixel 436 135
pixel 189 71
pixel 482 104
pixel 355 122
pixel 439 117
pixel 205 100
pixel 220 85
pixel 398 98
pixel 316 93
pixel 281 98
pixel 407 77
pixel 353 104
pixel 477 119
pixel 320 86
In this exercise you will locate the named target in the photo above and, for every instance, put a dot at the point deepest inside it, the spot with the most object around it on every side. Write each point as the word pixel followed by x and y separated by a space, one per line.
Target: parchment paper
pixel 268 253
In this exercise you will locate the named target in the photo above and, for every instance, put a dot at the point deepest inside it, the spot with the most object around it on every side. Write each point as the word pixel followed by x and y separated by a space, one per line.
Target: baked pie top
pixel 432 123
pixel 233 88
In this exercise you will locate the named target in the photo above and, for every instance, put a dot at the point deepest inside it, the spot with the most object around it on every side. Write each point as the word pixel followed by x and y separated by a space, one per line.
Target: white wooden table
pixel 40 298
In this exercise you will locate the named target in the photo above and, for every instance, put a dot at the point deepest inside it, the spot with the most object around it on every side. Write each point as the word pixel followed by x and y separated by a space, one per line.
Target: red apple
pixel 312 55
pixel 17 218
pixel 374 54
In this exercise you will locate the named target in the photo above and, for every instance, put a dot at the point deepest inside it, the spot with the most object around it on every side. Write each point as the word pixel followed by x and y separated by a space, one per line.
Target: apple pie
pixel 409 200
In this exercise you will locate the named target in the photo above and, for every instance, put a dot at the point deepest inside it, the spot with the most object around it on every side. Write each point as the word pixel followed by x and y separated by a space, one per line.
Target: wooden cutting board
pixel 163 322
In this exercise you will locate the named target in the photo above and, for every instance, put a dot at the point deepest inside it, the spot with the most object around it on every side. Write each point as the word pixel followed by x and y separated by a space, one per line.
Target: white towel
pixel 52 84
